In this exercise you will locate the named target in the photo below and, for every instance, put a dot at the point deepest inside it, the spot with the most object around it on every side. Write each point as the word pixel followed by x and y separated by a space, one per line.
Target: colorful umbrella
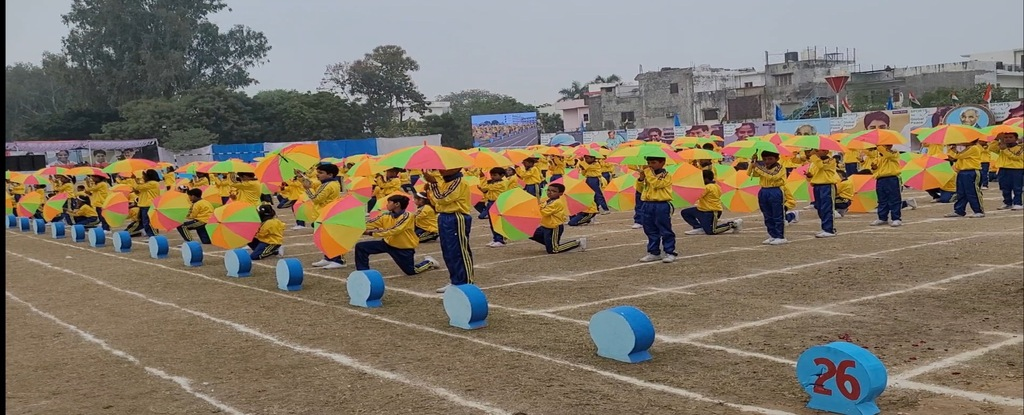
pixel 189 167
pixel 382 205
pixel 169 211
pixel 637 155
pixel 306 155
pixel 488 159
pixel 774 138
pixel 722 171
pixel 865 198
pixel 687 184
pixel 116 209
pixel 926 172
pixel 798 185
pixel 53 171
pixel 947 134
pixel 620 193
pixel 30 179
pixel 748 148
pixel 995 130
pixel 426 157
pixel 233 225
pixel 1015 121
pixel 304 211
pixel 578 195
pixel 583 151
pixel 475 194
pixel 86 171
pixel 212 194
pixel 515 214
pixel 29 204
pixel 691 142
pixel 276 168
pixel 879 137
pixel 121 188
pixel 360 187
pixel 54 206
pixel 739 192
pixel 817 142
pixel 128 166
pixel 228 166
pixel 699 154
pixel 340 225
pixel 367 167
pixel 8 204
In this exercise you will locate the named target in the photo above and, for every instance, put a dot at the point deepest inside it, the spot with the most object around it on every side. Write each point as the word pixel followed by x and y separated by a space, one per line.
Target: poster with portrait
pixel 805 127
pixel 898 120
pixel 733 132
pixel 96 153
pixel 975 116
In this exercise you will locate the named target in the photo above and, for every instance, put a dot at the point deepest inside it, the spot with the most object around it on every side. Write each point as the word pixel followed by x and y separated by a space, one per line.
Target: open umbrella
pixel 53 171
pixel 1015 121
pixel 306 155
pixel 276 168
pixel 169 211
pixel 30 179
pixel 699 154
pixel 8 204
pixel 367 167
pixel 340 225
pixel 722 171
pixel 129 166
pixel 488 159
pixel 739 192
pixel 865 197
pixel 121 188
pixel 816 142
pixel 774 138
pixel 382 207
pixel 54 206
pixel 687 184
pixel 115 209
pixel 189 167
pixel 748 148
pixel 578 195
pixel 228 166
pixel 86 171
pixel 948 134
pixel 926 172
pixel 29 204
pixel 995 130
pixel 620 193
pixel 475 194
pixel 879 137
pixel 304 211
pixel 515 214
pixel 233 225
pixel 212 194
pixel 637 155
pixel 360 187
pixel 798 185
pixel 691 142
pixel 426 157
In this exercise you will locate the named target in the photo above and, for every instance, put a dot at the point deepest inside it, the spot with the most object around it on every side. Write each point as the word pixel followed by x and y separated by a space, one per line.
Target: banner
pixel 804 127
pixel 100 156
pixel 733 132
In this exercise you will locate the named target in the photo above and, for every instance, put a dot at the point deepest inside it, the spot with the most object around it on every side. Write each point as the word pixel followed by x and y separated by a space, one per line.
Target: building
pixel 433 108
pixel 575 113
pixel 877 85
pixel 733 95
pixel 796 82
pixel 1009 68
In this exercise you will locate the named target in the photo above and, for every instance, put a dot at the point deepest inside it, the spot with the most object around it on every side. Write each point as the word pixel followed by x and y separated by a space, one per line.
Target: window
pixel 627 117
pixel 586 117
pixel 710 114
pixel 748 84
pixel 673 88
pixel 784 79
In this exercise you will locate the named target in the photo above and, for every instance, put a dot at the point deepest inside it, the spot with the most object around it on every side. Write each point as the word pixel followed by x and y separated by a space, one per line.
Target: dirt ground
pixel 939 301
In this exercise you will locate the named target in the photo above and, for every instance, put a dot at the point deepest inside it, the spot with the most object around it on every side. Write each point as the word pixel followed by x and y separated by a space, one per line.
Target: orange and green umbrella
pixel 798 185
pixel 578 195
pixel 54 206
pixel 699 154
pixel 128 166
pixel 748 148
pixel 774 138
pixel 340 225
pixel 620 193
pixel 304 211
pixel 382 206
pixel 228 166
pixel 948 134
pixel 691 142
pixel 189 167
pixel 367 167
pixel 121 188
pixel 475 194
pixel 426 157
pixel 306 155
pixel 488 159
pixel 276 168
pixel 926 172
pixel 212 194
pixel 637 155
pixel 687 184
pixel 515 214
pixel 116 209
pixel 233 225
pixel 865 197
pixel 54 171
pixel 739 192
pixel 360 187
pixel 816 142
pixel 1015 121
pixel 30 179
pixel 995 130
pixel 87 171
pixel 579 151
pixel 29 204
pixel 722 171
pixel 8 204
pixel 169 211
pixel 879 137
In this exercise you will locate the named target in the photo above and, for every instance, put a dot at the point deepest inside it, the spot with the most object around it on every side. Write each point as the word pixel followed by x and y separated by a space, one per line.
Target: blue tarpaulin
pixel 245 152
pixel 345 148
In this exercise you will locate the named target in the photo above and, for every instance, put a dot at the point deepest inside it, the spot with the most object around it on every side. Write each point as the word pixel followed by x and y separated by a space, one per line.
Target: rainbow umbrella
pixel 580 151
pixel 865 198
pixel 722 171
pixel 169 211
pixel 687 184
pixel 228 166
pixel 233 225
pixel 367 167
pixel 29 204
pixel 382 205
pixel 774 138
pixel 798 185
pixel 31 180
pixel 9 174
pixel 54 206
pixel 1015 121
pixel 340 225
pixel 748 148
pixel 212 194
pixel 306 155
pixel 620 193
pixel 515 214
pixel 879 137
pixel 817 142
pixel 276 168
pixel 578 195
pixel 926 172
pixel 115 209
pixel 699 154
pixel 426 157
pixel 128 166
pixel 333 160
pixel 739 192
pixel 475 194
pixel 54 171
pixel 948 134
pixel 360 187
pixel 488 159
pixel 87 171
pixel 8 204
pixel 691 142
pixel 995 130
pixel 304 211
pixel 189 167
pixel 121 188
pixel 637 155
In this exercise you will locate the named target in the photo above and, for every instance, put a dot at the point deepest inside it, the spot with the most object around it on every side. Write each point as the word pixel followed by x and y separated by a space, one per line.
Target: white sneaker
pixel 896 223
pixel 637 226
pixel 605 212
pixel 298 227
pixel 433 262
pixel 333 265
pixel 694 232
pixel 836 214
pixel 737 225
pixel 668 259
pixel 442 289
pixel 952 215
pixel 280 250
pixel 496 245
pixel 878 222
pixel 912 204
pixel 1004 207
pixel 810 207
pixel 321 263
pixel 1017 207
pixel 650 258
pixel 768 241
pixel 984 187
pixel 780 241
pixel 824 234
pixel 977 215
pixel 583 244
pixel 796 216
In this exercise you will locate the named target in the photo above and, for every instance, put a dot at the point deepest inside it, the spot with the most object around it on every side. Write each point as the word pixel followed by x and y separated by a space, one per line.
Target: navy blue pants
pixel 426 236
pixel 86 221
pixel 185 230
pixel 595 185
pixel 103 221
pixel 261 250
pixel 983 173
pixel 405 258
pixel 968 192
pixel 851 169
pixel 458 257
pixel 658 228
pixel 555 177
pixel 771 200
pixel 551 238
pixel 1011 183
pixel 581 218
pixel 144 221
pixel 705 220
pixel 533 189
pixel 825 203
pixel 607 176
pixel 638 211
pixel 890 201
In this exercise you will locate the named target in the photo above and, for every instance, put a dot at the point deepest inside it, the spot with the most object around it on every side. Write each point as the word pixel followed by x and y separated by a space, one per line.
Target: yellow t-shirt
pixel 271 232
pixel 711 199
pixel 553 213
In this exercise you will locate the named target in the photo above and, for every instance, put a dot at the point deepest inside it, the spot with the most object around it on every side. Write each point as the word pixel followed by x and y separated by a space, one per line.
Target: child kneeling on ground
pixel 269 237
pixel 704 217
pixel 398 230
pixel 554 212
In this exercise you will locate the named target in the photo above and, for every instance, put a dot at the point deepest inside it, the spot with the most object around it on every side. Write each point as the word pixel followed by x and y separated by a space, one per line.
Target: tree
pixel 120 51
pixel 188 139
pixel 606 80
pixel 289 115
pixel 575 91
pixel 551 123
pixel 455 132
pixel 382 82
pixel 74 124
pixel 941 97
pixel 226 114
pixel 34 92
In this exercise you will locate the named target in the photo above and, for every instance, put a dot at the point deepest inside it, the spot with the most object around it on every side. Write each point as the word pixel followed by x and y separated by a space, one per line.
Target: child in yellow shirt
pixel 554 213
pixel 426 219
pixel 83 213
pixel 531 176
pixel 198 216
pixel 397 231
pixel 269 237
pixel 587 217
pixel 703 217
pixel 496 185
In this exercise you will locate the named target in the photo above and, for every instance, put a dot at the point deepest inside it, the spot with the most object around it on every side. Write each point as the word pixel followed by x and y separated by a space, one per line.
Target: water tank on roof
pixel 791 57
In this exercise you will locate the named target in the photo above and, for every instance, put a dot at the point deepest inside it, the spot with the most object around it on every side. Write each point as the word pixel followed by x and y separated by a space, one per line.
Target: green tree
pixel 941 97
pixel 382 82
pixel 188 139
pixel 35 91
pixel 226 114
pixel 73 124
pixel 606 79
pixel 120 51
pixel 455 132
pixel 550 123
pixel 575 91
pixel 291 115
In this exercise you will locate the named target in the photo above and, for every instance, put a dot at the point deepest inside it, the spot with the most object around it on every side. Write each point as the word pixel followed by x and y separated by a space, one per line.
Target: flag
pixel 913 99
pixel 778 113
pixel 954 98
pixel 988 94
pixel 846 104
pixel 832 107
pixel 676 122
pixel 889 104
pixel 583 126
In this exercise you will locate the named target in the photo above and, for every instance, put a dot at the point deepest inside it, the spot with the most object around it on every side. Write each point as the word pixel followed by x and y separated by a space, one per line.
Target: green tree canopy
pixel 382 82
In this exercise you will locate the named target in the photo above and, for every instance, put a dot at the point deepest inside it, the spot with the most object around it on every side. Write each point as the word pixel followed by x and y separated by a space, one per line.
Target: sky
pixel 530 49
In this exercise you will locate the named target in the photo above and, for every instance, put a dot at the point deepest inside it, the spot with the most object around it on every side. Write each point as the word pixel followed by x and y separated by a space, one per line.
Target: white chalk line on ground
pixel 182 382
pixel 611 375
pixel 339 358
pixel 960 358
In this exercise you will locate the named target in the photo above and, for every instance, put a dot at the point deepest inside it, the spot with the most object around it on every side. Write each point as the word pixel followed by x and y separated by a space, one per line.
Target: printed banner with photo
pixel 98 153
pixel 805 127
pixel 733 132
pixel 505 130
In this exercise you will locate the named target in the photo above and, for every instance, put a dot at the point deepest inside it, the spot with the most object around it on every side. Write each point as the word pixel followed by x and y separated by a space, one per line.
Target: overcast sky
pixel 532 48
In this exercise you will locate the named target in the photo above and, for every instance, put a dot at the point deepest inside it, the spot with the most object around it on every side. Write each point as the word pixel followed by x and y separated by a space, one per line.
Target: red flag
pixel 913 99
pixel 846 105
pixel 988 94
